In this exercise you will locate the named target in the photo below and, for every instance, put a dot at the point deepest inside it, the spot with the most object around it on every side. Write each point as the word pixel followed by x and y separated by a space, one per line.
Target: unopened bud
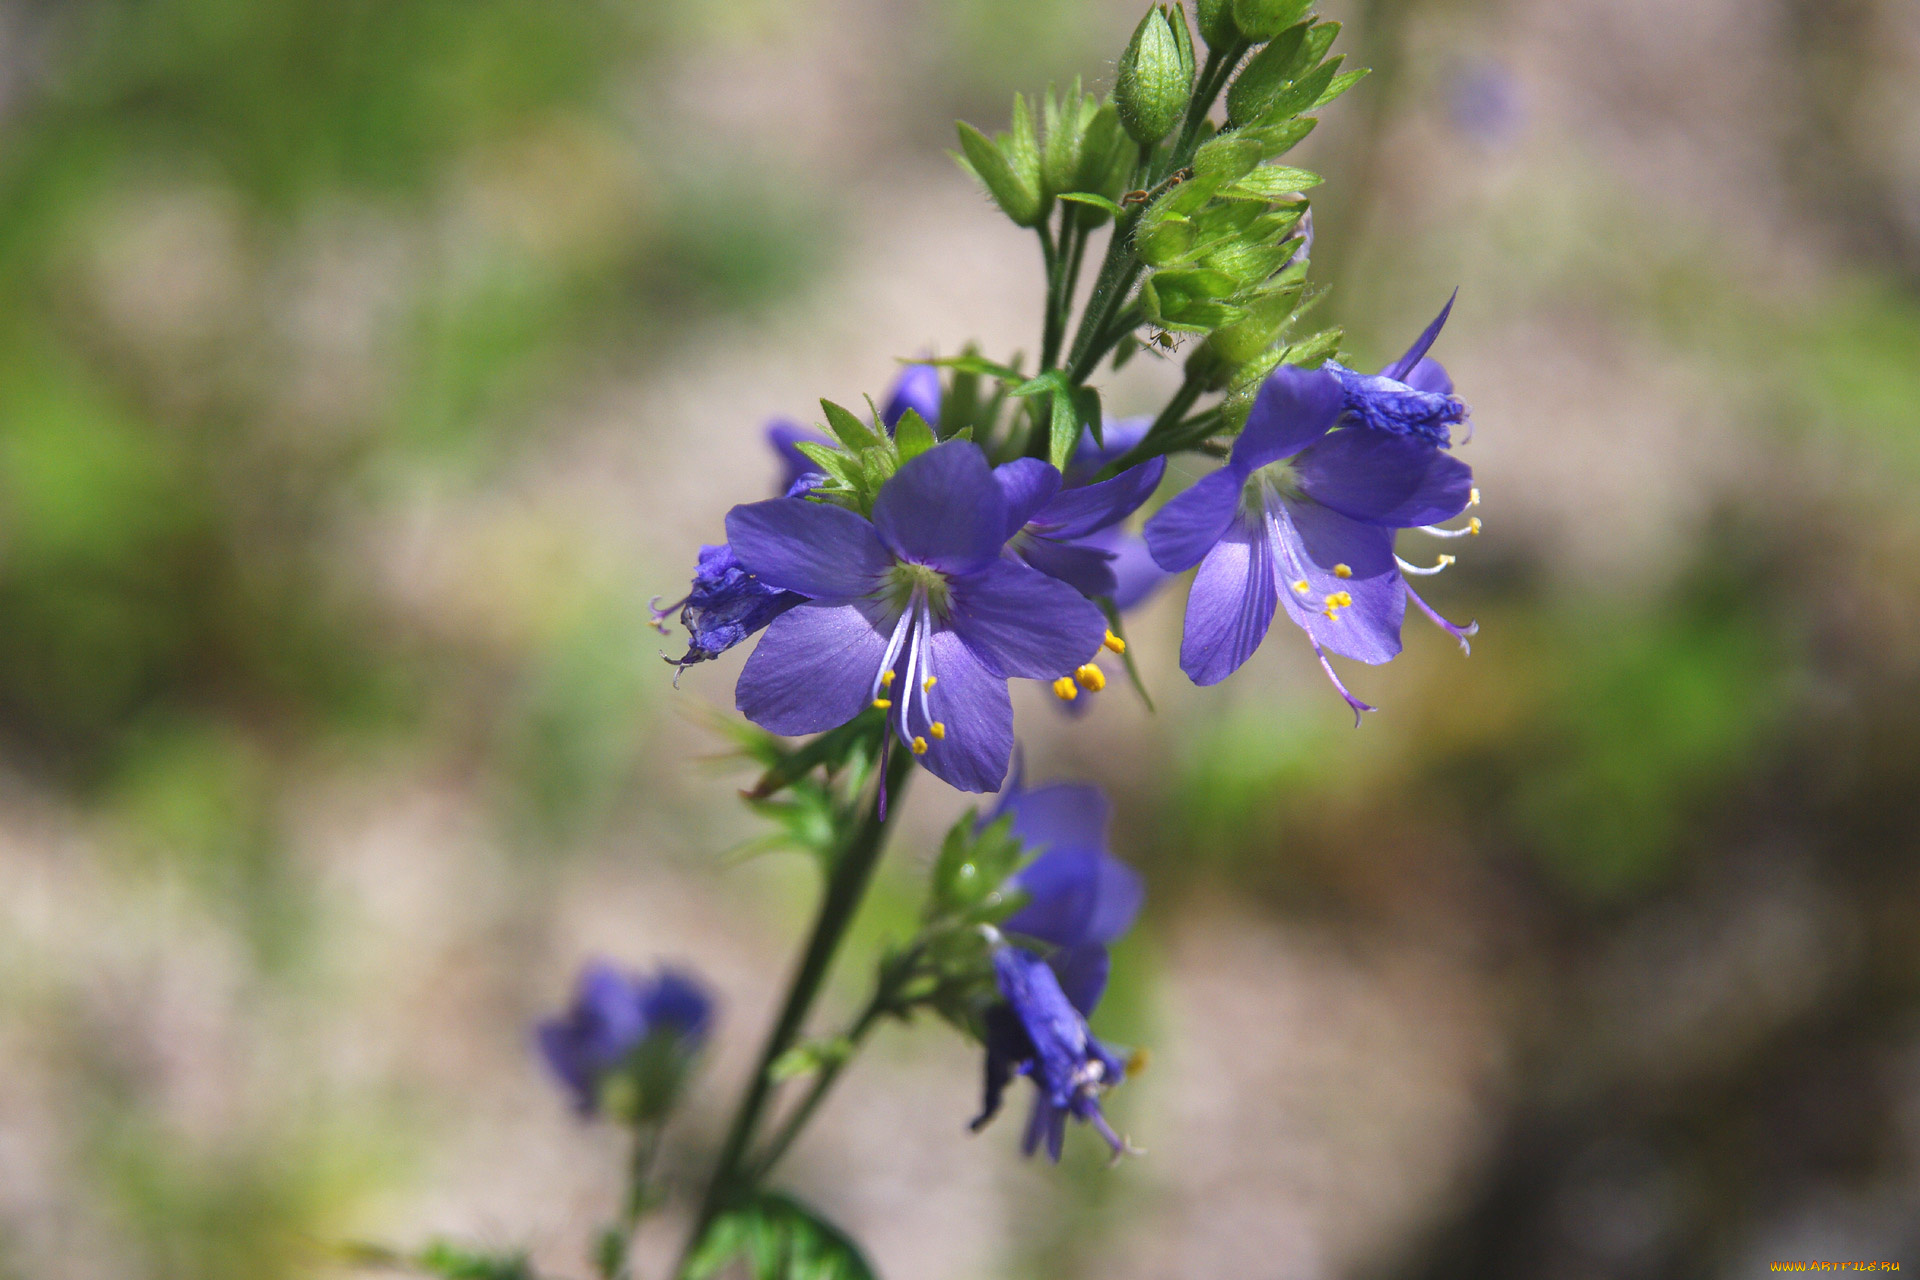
pixel 1217 27
pixel 1259 20
pixel 1155 81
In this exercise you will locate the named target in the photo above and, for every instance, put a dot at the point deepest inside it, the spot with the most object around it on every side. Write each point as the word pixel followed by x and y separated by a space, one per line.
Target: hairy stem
pixel 846 887
pixel 1055 322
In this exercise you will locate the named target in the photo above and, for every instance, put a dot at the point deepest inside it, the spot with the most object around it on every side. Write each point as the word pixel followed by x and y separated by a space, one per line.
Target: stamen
pixel 1357 705
pixel 1338 600
pixel 1343 571
pixel 927 684
pixel 1114 642
pixel 1471 531
pixel 1443 562
pixel 883 677
pixel 919 746
pixel 883 703
pixel 1473 497
pixel 1457 632
pixel 1065 689
pixel 886 678
pixel 1302 587
pixel 937 729
pixel 1091 678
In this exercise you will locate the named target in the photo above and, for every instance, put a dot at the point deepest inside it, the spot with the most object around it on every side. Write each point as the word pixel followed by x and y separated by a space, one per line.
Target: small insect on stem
pixel 1171 181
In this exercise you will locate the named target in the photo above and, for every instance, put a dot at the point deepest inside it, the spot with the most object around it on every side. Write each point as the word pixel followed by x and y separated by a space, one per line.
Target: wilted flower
pixel 1306 514
pixel 725 605
pixel 624 1043
pixel 917 612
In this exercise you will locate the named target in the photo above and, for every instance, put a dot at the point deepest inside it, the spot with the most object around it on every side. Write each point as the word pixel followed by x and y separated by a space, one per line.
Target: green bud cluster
pixel 867 456
pixel 1078 150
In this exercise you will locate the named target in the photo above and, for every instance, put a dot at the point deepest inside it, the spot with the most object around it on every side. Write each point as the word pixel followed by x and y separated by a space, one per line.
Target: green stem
pixel 846 887
pixel 1055 321
pixel 646 1146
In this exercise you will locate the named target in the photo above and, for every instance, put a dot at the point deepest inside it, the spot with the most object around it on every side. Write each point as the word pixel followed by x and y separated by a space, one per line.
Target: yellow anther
pixel 1302 587
pixel 883 703
pixel 1473 497
pixel 1137 1062
pixel 886 678
pixel 1343 571
pixel 1091 678
pixel 929 682
pixel 1473 526
pixel 1065 689
pixel 1445 561
pixel 938 729
pixel 1338 600
pixel 919 746
pixel 1115 643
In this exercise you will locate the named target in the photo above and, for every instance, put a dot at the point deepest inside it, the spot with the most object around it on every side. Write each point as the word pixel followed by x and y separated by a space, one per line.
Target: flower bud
pixel 1259 20
pixel 1018 197
pixel 1217 27
pixel 1155 81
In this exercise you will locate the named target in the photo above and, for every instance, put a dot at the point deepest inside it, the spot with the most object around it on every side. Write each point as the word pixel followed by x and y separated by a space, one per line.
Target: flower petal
pixel 1382 478
pixel 1295 407
pixel 944 509
pixel 1075 513
pixel 813 669
pixel 1312 543
pixel 1077 894
pixel 785 435
pixel 1186 528
pixel 1062 814
pixel 1028 483
pixel 1430 376
pixel 1400 368
pixel 1229 607
pixel 1019 622
pixel 821 551
pixel 1117 436
pixel 1082 972
pixel 917 388
pixel 1082 566
pixel 974 708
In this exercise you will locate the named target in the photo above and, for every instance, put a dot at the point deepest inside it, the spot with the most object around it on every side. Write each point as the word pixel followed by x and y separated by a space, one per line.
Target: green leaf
pixel 1275 181
pixel 912 436
pixel 1264 19
pixel 1063 429
pixel 977 364
pixel 1305 91
pixel 836 463
pixel 996 173
pixel 779 1238
pixel 830 750
pixel 1089 198
pixel 1086 408
pixel 853 433
pixel 1339 85
pixel 1022 149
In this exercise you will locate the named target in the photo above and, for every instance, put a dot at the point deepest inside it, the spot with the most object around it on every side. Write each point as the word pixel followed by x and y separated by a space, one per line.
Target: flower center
pixel 905 679
pixel 906 580
pixel 1275 480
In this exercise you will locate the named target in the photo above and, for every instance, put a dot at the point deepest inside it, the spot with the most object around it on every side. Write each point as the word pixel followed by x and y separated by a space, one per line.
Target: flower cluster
pixel 623 1045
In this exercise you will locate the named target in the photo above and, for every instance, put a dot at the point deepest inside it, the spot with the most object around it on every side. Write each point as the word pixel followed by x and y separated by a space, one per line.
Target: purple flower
pixel 623 1025
pixel 1078 894
pixel 1306 515
pixel 1413 396
pixel 725 605
pixel 917 388
pixel 1050 526
pixel 916 611
pixel 1041 1032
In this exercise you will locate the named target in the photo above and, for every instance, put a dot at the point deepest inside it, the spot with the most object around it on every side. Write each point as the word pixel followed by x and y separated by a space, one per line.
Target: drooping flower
pixel 1041 1032
pixel 725 605
pixel 1136 576
pixel 1079 899
pixel 625 1041
pixel 1305 515
pixel 917 388
pixel 917 611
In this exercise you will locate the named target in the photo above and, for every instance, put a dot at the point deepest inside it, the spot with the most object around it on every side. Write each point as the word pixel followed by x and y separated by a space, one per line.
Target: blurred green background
pixel 365 368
